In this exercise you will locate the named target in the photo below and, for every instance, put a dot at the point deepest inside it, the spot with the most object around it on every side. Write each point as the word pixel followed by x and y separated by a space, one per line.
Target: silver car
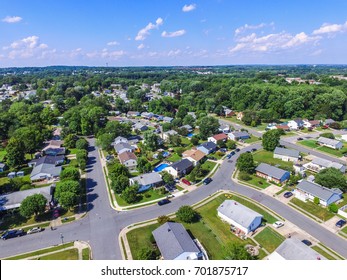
pixel 34 230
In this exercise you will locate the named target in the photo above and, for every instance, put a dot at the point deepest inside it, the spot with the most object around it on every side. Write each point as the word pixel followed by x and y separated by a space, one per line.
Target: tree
pixel 331 178
pixel 163 219
pixel 33 205
pixel 189 119
pixel 67 186
pixel 250 118
pixel 245 163
pixel 316 200
pixel 151 140
pixel 221 144
pixel 333 208
pixel 146 254
pixel 167 177
pixel 236 251
pixel 175 140
pixel 231 144
pixel 187 214
pixel 70 173
pixel 104 141
pixel 117 169
pixel 70 141
pixel 327 135
pixel 271 140
pixel 15 152
pixel 120 183
pixel 68 199
pixel 143 165
pixel 31 136
pixel 335 125
pixel 82 144
pixel 208 126
pixel 130 194
pixel 194 140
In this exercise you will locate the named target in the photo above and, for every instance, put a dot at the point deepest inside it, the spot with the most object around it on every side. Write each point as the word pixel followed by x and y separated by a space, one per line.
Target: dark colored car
pixel 223 150
pixel 212 158
pixel 288 194
pixel 12 234
pixel 185 181
pixel 253 150
pixel 237 150
pixel 300 138
pixel 306 242
pixel 230 155
pixel 340 223
pixel 207 181
pixel 163 202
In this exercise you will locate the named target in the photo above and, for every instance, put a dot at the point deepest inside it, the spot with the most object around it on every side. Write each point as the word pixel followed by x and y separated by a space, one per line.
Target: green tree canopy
pixel 82 144
pixel 245 163
pixel 331 178
pixel 187 214
pixel 208 126
pixel 151 140
pixel 68 199
pixel 236 251
pixel 15 152
pixel 271 139
pixel 67 186
pixel 130 194
pixel 120 183
pixel 33 205
pixel 70 173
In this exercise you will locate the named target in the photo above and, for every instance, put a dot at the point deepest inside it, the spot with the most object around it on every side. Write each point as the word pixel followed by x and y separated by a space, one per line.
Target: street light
pixel 62 238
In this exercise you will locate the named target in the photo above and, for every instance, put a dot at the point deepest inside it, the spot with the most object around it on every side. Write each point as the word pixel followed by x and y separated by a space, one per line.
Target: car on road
pixel 223 150
pixel 306 242
pixel 340 223
pixel 288 194
pixel 185 181
pixel 237 150
pixel 300 139
pixel 230 155
pixel 253 150
pixel 163 202
pixel 34 230
pixel 207 181
pixel 278 224
pixel 12 233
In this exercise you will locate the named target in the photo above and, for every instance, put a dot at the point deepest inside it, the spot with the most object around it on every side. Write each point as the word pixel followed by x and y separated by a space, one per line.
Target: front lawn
pixel 252 139
pixel 269 239
pixel 323 252
pixel 69 254
pixel 257 181
pixel 337 153
pixel 149 195
pixel 315 210
pixel 208 165
pixel 344 229
pixel 174 157
pixel 268 157
pixel 309 143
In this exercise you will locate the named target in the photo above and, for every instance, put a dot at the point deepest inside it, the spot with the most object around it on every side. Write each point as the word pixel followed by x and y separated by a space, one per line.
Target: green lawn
pixel 315 210
pixel 2 155
pixel 73 151
pixel 208 165
pixel 344 229
pixel 269 239
pixel 69 254
pixel 323 252
pixel 257 181
pixel 186 141
pixel 252 139
pixel 309 143
pixel 337 153
pixel 267 157
pixel 174 157
pixel 151 194
pixel 86 254
pixel 233 119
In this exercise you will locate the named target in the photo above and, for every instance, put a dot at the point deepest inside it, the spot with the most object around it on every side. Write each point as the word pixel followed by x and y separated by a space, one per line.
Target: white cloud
pixel 26 47
pixel 173 34
pixel 13 19
pixel 141 46
pixel 188 8
pixel 300 39
pixel 330 28
pixel 251 27
pixel 144 32
pixel 113 43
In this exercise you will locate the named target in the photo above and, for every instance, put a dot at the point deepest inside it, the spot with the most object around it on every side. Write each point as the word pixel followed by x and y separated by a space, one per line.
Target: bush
pixel 163 219
pixel 187 214
pixel 333 208
pixel 327 135
pixel 244 176
pixel 147 254
pixel 27 187
pixel 82 144
pixel 316 200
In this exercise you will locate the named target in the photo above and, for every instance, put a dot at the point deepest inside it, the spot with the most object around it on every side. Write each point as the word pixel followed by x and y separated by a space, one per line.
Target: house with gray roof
pixel 167 119
pixel 330 143
pixel 180 168
pixel 286 154
pixel 147 181
pixel 120 139
pixel 124 147
pixel 238 135
pixel 46 168
pixel 306 190
pixel 140 126
pixel 294 249
pixel 174 242
pixel 166 135
pixel 272 173
pixel 328 121
pixel 242 219
pixel 187 127
pixel 207 147
pixel 318 164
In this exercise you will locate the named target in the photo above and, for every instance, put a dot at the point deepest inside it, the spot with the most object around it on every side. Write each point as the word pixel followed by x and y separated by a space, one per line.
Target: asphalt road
pixel 102 225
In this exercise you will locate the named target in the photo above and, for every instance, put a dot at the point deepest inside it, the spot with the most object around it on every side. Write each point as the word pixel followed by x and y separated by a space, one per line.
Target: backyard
pixel 269 239
pixel 268 157
pixel 313 209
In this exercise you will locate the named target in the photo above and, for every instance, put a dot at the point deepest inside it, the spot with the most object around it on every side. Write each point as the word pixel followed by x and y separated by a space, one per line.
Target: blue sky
pixel 136 33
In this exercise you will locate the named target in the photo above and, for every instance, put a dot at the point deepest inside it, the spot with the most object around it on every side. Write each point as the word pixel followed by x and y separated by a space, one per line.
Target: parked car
pixel 34 230
pixel 230 155
pixel 223 150
pixel 288 194
pixel 306 242
pixel 185 181
pixel 163 202
pixel 253 150
pixel 207 181
pixel 12 233
pixel 340 223
pixel 300 138
pixel 278 224
pixel 237 150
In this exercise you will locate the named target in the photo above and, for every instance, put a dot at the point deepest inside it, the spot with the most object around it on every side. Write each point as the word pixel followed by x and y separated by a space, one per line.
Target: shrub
pixel 163 219
pixel 316 200
pixel 244 176
pixel 333 208
pixel 187 214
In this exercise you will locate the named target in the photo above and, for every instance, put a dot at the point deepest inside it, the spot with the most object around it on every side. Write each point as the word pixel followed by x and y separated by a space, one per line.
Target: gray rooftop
pixel 270 170
pixel 238 212
pixel 294 249
pixel 286 152
pixel 46 169
pixel 183 164
pixel 173 240
pixel 2 165
pixel 171 132
pixel 148 179
pixel 120 146
pixel 328 141
pixel 239 134
pixel 317 190
pixel 209 145
pixel 326 163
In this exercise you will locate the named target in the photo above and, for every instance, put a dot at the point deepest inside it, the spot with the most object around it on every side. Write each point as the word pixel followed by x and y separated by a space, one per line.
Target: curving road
pixel 102 224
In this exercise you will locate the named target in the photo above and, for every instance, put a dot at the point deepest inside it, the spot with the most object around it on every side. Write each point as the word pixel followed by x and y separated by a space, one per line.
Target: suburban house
pixel 286 154
pixel 2 167
pixel 14 200
pixel 47 167
pixel 229 113
pixel 147 115
pixel 180 168
pixel 272 173
pixel 218 137
pixel 140 126
pixel 242 219
pixel 167 134
pixel 147 181
pixel 239 116
pixel 120 139
pixel 174 243
pixel 195 156
pixel 296 124
pixel 312 124
pixel 318 164
pixel 224 128
pixel 167 119
pixel 294 249
pixel 124 147
pixel 306 190
pixel 192 114
pixel 187 127
pixel 128 159
pixel 133 114
pixel 331 143
pixel 207 147
pixel 328 122
pixel 54 148
pixel 283 127
pixel 238 135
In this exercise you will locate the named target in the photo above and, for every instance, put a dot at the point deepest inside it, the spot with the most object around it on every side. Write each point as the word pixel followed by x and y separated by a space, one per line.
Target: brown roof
pixel 314 122
pixel 123 157
pixel 220 136
pixel 197 155
pixel 284 127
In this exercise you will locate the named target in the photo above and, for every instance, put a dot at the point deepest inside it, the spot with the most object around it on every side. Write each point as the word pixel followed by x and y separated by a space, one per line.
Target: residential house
pixel 140 126
pixel 242 219
pixel 286 154
pixel 328 122
pixel 218 137
pixel 46 168
pixel 306 190
pixel 239 116
pixel 167 119
pixel 224 128
pixel 147 115
pixel 229 113
pixel 195 156
pixel 124 147
pixel 132 114
pixel 331 143
pixel 296 124
pixel 187 127
pixel 147 181
pixel 2 167
pixel 167 134
pixel 128 159
pixel 318 164
pixel 272 173
pixel 134 139
pixel 207 148
pixel 294 249
pixel 174 242
pixel 283 126
pixel 180 168
pixel 120 139
pixel 311 124
pixel 54 148
pixel 238 135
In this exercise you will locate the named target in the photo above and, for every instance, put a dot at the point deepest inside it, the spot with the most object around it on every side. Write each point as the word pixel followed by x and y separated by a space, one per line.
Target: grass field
pixel 313 209
pixel 151 195
pixel 257 181
pixel 252 139
pixel 70 254
pixel 313 145
pixel 2 155
pixel 269 239
pixel 323 253
pixel 85 254
pixel 174 157
pixel 344 229
pixel 267 157
pixel 309 143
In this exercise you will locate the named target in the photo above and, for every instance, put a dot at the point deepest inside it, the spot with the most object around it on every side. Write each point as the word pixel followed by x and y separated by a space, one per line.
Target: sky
pixel 172 32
